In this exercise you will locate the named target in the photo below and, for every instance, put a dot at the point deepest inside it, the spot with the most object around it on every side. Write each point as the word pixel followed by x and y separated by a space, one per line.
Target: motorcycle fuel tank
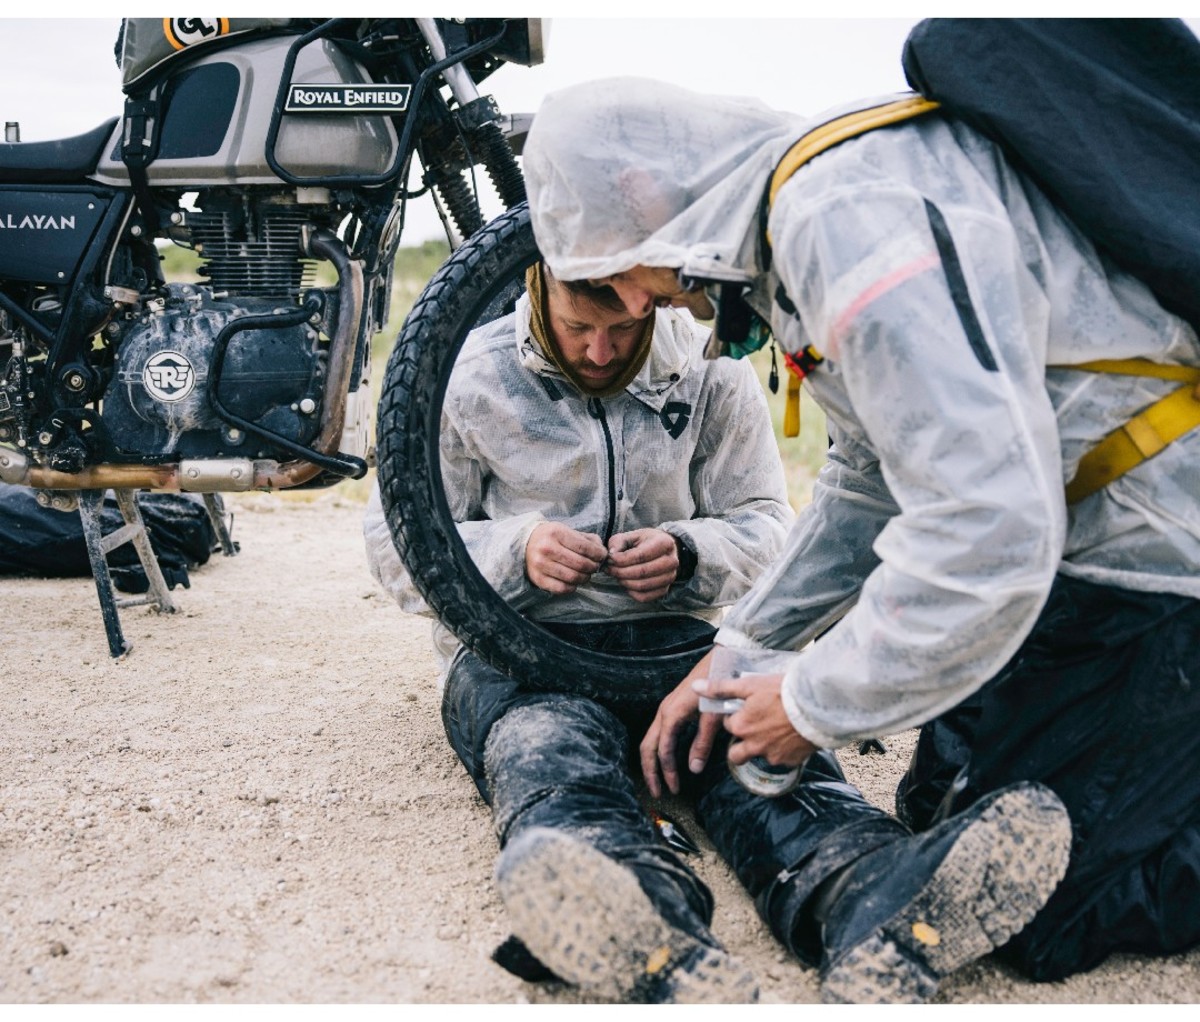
pixel 217 114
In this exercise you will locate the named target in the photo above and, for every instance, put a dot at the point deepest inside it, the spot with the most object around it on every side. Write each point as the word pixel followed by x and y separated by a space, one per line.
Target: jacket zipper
pixel 596 409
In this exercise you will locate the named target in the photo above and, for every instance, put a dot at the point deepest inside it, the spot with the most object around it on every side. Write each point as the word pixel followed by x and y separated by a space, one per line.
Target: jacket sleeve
pixel 384 561
pixel 737 483
pixel 833 540
pixel 496 547
pixel 946 386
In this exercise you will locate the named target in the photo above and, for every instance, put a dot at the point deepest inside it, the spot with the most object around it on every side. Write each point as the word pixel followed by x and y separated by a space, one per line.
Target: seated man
pixel 644 493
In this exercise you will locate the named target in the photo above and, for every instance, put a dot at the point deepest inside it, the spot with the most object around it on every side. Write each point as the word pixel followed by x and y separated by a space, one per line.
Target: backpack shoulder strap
pixel 1124 448
pixel 813 143
pixel 840 129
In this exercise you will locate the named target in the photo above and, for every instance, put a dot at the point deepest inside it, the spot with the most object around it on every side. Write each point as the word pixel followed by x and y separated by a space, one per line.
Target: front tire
pixel 480 282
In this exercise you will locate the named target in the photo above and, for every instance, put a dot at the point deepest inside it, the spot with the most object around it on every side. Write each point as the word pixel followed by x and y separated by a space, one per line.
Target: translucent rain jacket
pixel 939 522
pixel 687 447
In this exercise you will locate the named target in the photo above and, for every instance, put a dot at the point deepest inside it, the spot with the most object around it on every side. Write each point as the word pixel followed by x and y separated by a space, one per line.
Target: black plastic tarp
pixel 1104 114
pixel 41 542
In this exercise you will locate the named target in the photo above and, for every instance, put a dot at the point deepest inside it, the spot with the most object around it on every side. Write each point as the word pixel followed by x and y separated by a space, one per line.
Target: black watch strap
pixel 687 560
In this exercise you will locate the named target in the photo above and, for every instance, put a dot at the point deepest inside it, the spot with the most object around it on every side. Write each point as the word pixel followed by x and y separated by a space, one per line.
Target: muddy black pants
pixel 559 760
pixel 1101 704
pixel 562 761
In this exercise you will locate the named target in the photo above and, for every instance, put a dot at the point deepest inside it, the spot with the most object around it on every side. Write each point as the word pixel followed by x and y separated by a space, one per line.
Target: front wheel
pixel 480 282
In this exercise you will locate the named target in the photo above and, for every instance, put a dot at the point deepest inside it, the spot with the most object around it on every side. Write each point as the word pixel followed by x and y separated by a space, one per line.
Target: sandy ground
pixel 258 805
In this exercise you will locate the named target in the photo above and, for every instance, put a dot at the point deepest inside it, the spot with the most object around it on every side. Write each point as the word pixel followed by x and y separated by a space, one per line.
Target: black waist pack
pixel 1104 114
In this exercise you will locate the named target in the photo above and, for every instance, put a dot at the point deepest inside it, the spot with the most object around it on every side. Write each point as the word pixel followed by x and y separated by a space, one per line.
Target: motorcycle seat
pixel 55 162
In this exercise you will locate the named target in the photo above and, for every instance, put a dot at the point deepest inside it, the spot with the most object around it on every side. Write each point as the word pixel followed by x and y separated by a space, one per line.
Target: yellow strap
pixel 791 410
pixel 839 130
pixel 1142 437
pixel 804 149
pixel 1138 367
pixel 1146 433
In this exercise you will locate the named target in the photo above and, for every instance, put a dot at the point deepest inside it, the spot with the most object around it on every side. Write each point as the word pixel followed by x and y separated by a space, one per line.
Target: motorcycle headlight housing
pixel 524 41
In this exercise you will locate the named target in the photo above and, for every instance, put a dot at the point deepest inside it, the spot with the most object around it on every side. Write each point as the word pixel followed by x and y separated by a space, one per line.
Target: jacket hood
pixel 623 172
pixel 673 352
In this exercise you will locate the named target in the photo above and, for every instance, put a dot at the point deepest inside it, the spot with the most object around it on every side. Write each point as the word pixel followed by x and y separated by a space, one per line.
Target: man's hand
pixel 645 562
pixel 559 560
pixel 761 726
pixel 674 712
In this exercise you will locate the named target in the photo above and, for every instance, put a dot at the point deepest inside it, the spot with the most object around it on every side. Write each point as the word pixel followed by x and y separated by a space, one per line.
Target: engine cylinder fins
pixel 262 260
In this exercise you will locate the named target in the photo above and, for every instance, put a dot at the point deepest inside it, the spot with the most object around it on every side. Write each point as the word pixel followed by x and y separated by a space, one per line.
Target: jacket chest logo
pixel 675 417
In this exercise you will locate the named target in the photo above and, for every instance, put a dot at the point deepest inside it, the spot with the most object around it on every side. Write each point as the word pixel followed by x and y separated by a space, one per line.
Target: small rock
pixel 58 949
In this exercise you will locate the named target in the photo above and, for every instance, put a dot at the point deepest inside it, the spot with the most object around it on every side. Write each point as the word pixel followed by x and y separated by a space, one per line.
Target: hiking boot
pixel 586 918
pixel 911 912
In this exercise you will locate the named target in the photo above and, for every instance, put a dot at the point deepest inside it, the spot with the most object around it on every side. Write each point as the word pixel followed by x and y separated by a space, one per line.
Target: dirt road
pixel 258 804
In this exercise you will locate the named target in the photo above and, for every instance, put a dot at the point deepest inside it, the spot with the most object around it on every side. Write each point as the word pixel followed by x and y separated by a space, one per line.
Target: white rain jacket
pixel 939 522
pixel 687 447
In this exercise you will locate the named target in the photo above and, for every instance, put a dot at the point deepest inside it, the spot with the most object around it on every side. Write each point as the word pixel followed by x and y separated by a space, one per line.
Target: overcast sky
pixel 58 76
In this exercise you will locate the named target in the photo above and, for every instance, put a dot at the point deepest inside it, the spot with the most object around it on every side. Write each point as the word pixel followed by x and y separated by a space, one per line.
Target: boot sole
pixel 585 917
pixel 997 876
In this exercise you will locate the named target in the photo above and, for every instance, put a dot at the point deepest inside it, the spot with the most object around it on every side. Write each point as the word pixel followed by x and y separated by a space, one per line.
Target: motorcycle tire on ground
pixel 480 282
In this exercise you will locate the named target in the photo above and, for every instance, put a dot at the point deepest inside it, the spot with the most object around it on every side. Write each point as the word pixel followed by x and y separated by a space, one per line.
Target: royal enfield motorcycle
pixel 270 147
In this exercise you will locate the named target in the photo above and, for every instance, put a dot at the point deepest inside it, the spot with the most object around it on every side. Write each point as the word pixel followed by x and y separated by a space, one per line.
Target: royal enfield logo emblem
pixel 168 376
pixel 348 99
pixel 184 32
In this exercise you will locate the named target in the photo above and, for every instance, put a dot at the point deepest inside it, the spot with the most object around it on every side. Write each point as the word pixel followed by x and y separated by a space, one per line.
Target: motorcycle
pixel 269 147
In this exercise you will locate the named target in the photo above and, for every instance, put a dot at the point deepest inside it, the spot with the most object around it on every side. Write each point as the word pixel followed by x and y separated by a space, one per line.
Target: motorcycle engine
pixel 159 402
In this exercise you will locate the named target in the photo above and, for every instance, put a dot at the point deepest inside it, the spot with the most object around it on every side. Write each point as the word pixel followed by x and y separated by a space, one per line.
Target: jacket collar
pixel 672 354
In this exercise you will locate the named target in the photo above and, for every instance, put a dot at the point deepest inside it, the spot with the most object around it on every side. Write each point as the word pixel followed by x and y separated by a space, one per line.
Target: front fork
pixel 477 120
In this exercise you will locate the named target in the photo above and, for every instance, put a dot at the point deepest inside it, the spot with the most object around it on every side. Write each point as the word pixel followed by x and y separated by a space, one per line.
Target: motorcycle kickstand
pixel 91 502
pixel 228 547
